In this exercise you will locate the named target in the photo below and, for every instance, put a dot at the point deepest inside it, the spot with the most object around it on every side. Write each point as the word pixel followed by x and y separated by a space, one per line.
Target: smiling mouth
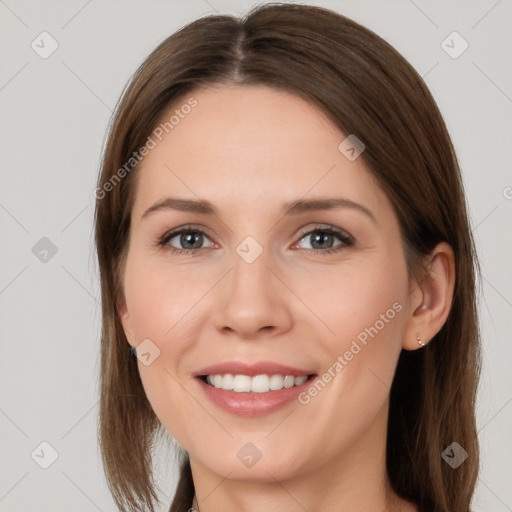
pixel 262 383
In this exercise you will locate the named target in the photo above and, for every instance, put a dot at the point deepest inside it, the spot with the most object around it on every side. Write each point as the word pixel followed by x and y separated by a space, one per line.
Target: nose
pixel 254 302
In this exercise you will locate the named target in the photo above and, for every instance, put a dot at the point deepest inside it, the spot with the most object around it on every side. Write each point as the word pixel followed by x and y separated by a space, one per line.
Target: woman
pixel 284 246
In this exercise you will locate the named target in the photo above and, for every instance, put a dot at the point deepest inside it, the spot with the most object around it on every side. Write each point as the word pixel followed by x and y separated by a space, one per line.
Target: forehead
pixel 251 145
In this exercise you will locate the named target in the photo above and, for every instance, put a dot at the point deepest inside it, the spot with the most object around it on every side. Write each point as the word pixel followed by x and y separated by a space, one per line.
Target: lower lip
pixel 252 404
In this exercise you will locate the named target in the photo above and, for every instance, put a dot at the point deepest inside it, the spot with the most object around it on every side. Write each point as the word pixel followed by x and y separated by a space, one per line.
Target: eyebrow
pixel 202 206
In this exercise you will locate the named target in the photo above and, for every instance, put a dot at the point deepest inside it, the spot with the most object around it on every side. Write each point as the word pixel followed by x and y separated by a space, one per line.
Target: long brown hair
pixel 367 88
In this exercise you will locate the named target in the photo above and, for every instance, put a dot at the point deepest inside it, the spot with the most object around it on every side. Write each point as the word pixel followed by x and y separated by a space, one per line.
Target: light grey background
pixel 54 114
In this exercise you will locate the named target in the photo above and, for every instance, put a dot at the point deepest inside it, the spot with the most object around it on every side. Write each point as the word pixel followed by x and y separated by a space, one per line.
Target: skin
pixel 248 150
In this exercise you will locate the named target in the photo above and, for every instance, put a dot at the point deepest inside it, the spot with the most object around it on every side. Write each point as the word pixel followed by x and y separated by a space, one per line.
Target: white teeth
pixel 258 384
pixel 241 383
pixel 300 380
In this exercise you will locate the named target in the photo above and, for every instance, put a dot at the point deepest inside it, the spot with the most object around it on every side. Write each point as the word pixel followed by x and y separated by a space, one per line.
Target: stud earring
pixel 133 351
pixel 420 342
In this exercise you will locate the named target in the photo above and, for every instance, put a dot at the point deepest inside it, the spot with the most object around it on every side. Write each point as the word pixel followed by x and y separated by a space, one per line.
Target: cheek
pixel 158 302
pixel 158 298
pixel 164 304
pixel 365 310
pixel 362 313
pixel 351 300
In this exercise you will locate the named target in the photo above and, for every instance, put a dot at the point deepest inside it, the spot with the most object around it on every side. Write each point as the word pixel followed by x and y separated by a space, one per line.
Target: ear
pixel 126 321
pixel 431 299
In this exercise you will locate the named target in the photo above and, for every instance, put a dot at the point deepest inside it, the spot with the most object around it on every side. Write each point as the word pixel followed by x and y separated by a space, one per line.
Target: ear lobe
pixel 125 319
pixel 432 300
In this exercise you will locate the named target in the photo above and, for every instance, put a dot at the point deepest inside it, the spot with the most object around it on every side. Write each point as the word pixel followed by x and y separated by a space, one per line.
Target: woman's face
pixel 263 284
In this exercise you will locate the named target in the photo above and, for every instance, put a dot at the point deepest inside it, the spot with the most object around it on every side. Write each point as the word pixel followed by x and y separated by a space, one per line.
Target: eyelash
pixel 346 239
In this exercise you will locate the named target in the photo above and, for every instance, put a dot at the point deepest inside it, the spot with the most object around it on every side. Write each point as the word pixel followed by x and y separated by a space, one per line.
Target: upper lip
pixel 251 369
